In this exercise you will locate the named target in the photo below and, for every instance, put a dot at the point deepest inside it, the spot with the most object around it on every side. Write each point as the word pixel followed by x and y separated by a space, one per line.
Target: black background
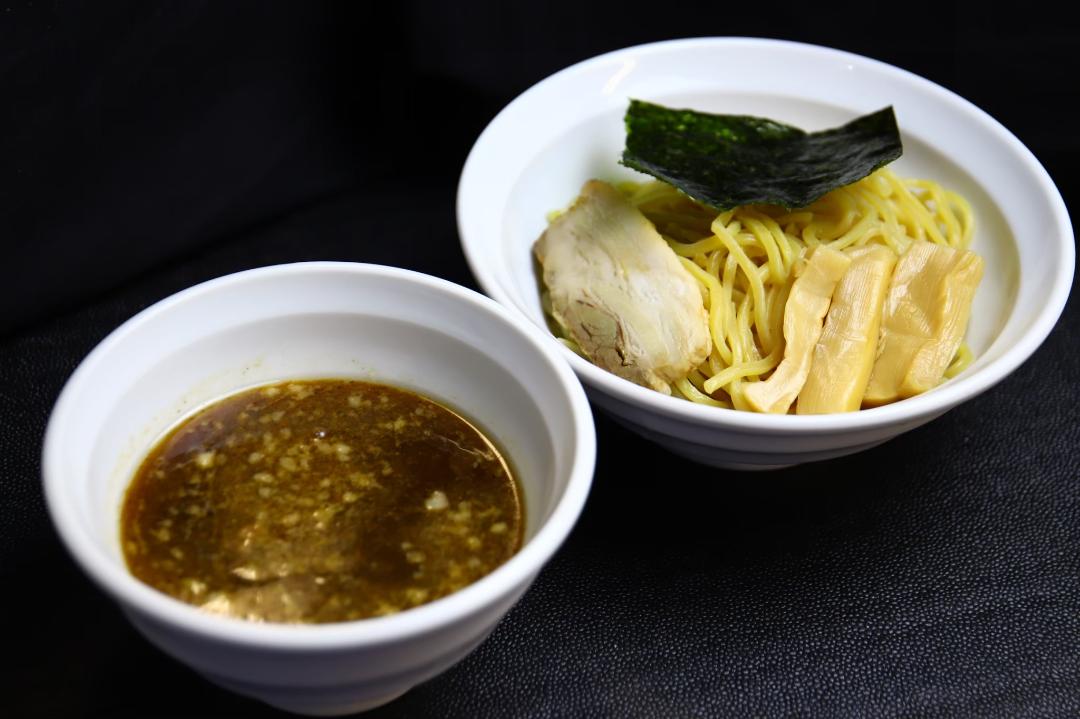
pixel 145 147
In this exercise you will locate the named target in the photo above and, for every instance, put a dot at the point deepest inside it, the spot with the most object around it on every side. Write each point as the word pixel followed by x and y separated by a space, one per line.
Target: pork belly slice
pixel 620 292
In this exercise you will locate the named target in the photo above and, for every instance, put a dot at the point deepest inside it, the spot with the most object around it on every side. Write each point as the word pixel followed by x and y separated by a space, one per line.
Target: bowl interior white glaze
pixel 321 345
pixel 590 150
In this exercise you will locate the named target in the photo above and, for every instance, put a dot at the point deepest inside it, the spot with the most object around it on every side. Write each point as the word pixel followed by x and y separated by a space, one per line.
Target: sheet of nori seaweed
pixel 729 160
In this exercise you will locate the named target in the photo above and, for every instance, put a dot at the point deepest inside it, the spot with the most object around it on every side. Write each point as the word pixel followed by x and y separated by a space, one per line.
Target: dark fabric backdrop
pixel 138 132
pixel 145 147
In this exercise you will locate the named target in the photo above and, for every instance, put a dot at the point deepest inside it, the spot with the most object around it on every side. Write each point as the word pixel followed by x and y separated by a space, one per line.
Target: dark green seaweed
pixel 729 160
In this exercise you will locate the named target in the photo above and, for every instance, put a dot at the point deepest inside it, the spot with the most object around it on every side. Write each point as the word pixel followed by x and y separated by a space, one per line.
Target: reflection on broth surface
pixel 320 501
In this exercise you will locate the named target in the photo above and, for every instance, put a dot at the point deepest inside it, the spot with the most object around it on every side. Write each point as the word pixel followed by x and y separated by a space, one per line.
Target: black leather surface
pixel 935 576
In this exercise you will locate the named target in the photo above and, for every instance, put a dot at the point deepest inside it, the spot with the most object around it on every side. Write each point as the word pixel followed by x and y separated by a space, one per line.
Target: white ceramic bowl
pixel 318 320
pixel 535 155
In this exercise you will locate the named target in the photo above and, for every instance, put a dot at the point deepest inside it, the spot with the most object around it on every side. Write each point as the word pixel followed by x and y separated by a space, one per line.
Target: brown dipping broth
pixel 320 501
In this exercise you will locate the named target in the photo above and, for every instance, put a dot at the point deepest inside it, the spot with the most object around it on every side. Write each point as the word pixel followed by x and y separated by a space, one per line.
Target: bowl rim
pixel 515 574
pixel 924 405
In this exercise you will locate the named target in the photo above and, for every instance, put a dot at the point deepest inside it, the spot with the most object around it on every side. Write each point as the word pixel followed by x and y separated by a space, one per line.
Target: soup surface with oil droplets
pixel 320 501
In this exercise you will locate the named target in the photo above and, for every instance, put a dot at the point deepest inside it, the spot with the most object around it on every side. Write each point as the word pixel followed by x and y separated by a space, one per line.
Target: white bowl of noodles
pixel 535 155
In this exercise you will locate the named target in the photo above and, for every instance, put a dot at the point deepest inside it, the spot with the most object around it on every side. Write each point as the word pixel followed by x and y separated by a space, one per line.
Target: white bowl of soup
pixel 532 161
pixel 331 479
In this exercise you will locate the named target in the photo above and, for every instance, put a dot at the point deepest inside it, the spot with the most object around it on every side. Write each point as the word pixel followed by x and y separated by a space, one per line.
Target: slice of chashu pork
pixel 620 292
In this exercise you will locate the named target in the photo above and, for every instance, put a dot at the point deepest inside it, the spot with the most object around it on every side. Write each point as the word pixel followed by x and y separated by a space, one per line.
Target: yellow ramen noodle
pixel 744 260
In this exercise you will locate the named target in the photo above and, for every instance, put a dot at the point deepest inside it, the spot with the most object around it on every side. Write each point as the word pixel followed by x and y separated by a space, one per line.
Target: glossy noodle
pixel 744 261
